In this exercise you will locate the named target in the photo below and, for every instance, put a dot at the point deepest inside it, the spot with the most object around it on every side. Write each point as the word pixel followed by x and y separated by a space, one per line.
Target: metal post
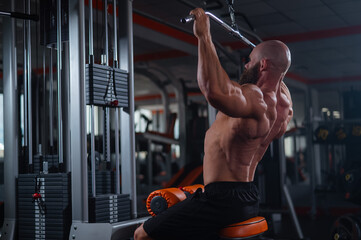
pixel 106 46
pixel 51 92
pixel 92 137
pixel 310 151
pixel 115 53
pixel 30 126
pixel 77 121
pixel 10 127
pixel 58 66
pixel 117 173
pixel 284 188
pixel 25 79
pixel 107 110
pixel 127 117
pixel 66 97
pixel 44 132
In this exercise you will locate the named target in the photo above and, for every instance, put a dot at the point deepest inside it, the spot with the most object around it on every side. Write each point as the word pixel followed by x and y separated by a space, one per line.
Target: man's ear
pixel 263 64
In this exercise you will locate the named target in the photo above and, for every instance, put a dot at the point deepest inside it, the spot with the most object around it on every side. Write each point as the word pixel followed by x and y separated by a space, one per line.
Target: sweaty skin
pixel 250 116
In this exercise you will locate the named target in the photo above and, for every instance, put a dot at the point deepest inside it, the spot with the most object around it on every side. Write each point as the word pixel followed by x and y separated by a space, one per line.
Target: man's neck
pixel 269 82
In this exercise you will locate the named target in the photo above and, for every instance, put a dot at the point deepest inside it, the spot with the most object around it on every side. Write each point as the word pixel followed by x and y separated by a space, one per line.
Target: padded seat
pixel 246 229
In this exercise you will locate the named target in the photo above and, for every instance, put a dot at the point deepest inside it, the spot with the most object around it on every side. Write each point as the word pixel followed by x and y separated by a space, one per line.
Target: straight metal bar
pixel 66 108
pixel 30 125
pixel 115 31
pixel 18 15
pixel 51 99
pixel 150 165
pixel 125 230
pixel 25 78
pixel 127 115
pixel 44 100
pixel 311 150
pixel 156 138
pixel 284 189
pixel 77 121
pixel 107 110
pixel 106 45
pixel 117 173
pixel 234 32
pixel 92 119
pixel 91 48
pixel 92 147
pixel 10 126
pixel 58 66
pixel 107 124
pixel 292 211
pixel 115 65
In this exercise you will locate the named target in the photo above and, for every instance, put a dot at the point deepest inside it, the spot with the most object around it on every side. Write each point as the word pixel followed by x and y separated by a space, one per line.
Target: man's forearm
pixel 210 75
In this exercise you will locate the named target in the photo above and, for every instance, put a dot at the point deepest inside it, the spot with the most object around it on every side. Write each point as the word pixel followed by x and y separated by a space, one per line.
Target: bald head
pixel 276 52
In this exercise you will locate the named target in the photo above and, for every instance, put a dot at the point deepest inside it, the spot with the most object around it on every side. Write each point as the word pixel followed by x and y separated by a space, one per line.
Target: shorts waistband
pixel 214 186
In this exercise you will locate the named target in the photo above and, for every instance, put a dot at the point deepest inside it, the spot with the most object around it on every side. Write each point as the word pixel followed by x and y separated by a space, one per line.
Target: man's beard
pixel 250 75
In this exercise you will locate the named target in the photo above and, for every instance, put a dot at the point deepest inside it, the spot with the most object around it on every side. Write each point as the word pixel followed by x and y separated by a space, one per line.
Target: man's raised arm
pixel 222 93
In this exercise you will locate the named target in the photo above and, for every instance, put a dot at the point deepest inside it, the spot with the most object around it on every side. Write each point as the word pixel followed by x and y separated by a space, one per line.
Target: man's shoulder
pixel 251 89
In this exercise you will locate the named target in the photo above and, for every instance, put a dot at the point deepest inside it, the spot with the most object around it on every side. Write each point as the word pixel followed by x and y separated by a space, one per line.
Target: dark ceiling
pixel 323 36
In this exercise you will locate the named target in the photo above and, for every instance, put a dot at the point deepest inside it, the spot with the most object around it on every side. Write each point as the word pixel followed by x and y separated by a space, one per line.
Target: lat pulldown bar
pixel 234 32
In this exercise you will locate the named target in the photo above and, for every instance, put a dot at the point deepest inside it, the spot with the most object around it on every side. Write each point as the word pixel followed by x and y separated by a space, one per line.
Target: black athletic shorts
pixel 203 214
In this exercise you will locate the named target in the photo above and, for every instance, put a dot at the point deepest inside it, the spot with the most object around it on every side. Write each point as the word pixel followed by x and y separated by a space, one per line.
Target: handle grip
pixel 188 19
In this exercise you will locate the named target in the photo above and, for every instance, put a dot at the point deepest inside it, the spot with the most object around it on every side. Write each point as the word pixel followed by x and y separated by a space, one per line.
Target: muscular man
pixel 251 114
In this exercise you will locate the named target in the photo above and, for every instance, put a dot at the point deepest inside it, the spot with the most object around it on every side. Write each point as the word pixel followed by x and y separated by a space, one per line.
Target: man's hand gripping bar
pixel 235 33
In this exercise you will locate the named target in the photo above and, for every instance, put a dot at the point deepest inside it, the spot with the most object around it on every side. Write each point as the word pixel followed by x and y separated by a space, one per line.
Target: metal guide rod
pixel 91 28
pixel 92 142
pixel 115 31
pixel 107 110
pixel 25 78
pixel 117 173
pixel 234 32
pixel 128 162
pixel 92 137
pixel 51 87
pixel 58 65
pixel 11 134
pixel 44 95
pixel 30 127
pixel 284 189
pixel 106 31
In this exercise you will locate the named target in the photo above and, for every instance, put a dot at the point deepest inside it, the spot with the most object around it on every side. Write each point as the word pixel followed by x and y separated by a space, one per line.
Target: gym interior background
pixel 117 111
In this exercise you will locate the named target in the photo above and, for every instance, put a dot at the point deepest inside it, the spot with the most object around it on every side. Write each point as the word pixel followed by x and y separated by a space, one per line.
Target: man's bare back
pixel 251 114
pixel 234 146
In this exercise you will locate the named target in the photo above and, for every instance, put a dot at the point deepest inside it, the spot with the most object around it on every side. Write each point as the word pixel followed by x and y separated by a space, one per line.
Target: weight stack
pixel 106 86
pixel 109 208
pixel 53 163
pixel 104 182
pixel 50 220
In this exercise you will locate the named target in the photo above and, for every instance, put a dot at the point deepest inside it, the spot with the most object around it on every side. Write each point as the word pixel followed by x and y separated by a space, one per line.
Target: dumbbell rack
pixel 43 203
